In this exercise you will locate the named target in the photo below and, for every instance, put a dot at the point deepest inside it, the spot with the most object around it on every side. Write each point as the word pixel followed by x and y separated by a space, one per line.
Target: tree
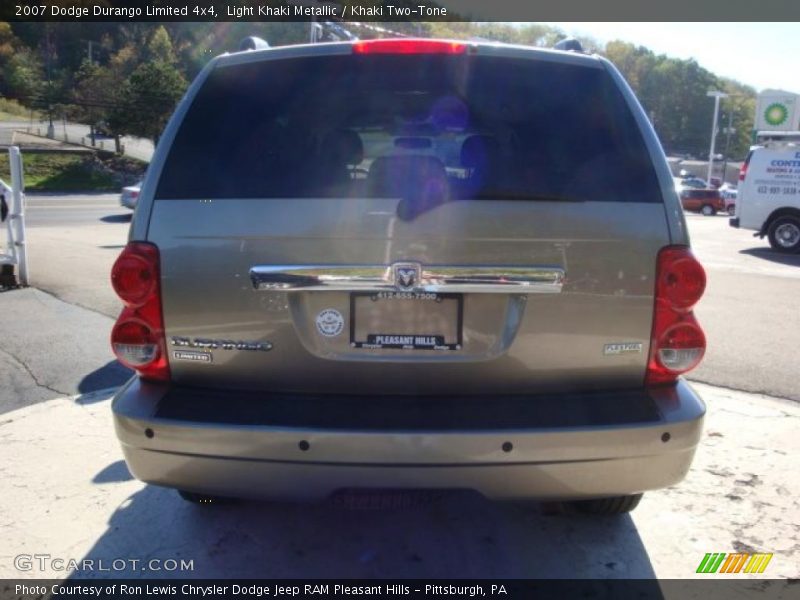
pixel 24 76
pixel 92 94
pixel 147 99
pixel 149 84
pixel 8 47
pixel 159 48
pixel 673 93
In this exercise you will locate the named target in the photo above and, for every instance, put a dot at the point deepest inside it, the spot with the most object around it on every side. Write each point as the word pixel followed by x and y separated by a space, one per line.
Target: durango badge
pixel 330 322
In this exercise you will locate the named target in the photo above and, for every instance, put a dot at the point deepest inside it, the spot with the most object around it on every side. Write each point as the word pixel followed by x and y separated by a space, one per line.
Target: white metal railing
pixel 15 253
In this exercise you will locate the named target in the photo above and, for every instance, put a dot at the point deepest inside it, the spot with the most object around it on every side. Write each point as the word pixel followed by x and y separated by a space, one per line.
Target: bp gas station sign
pixel 777 111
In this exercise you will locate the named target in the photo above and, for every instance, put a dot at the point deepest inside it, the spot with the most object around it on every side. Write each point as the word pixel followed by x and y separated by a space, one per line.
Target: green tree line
pixel 126 78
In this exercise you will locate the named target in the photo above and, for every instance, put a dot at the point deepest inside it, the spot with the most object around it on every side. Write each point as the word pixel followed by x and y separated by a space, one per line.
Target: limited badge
pixel 330 322
pixel 192 356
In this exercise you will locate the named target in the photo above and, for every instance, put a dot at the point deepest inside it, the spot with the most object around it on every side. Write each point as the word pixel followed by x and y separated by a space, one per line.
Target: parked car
pixel 321 297
pixel 707 201
pixel 769 194
pixel 729 194
pixel 694 182
pixel 130 195
pixel 101 130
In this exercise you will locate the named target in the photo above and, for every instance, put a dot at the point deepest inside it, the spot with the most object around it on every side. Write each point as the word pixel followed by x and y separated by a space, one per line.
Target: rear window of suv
pixel 461 127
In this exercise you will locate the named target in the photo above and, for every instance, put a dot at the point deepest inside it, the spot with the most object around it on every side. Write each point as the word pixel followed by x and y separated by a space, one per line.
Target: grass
pixel 61 172
pixel 11 110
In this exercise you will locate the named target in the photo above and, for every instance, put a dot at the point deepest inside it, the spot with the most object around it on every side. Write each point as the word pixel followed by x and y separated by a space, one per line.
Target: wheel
pixel 732 210
pixel 784 234
pixel 206 499
pixel 617 505
pixel 708 210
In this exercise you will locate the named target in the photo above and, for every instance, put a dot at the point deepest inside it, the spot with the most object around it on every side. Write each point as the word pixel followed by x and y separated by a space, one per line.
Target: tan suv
pixel 409 264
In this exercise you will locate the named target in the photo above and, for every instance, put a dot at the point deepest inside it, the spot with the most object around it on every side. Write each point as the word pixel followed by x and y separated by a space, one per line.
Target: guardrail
pixel 15 254
pixel 105 145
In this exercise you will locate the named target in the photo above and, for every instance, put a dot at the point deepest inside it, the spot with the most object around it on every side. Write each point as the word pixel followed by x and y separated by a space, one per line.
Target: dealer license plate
pixel 406 321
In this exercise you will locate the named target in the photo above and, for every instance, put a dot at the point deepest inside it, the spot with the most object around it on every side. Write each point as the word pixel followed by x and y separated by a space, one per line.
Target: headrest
pixel 343 147
pixel 404 175
pixel 479 151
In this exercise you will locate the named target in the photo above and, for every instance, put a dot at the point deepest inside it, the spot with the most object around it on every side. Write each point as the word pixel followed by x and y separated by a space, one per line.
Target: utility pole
pixel 51 130
pixel 728 131
pixel 717 95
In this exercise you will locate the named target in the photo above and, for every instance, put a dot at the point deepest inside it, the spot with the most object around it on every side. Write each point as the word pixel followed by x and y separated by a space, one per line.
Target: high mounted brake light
pixel 138 335
pixel 677 343
pixel 408 46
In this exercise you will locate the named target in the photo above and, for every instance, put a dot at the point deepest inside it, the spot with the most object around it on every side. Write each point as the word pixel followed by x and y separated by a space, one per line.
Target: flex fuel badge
pixel 330 322
pixel 622 348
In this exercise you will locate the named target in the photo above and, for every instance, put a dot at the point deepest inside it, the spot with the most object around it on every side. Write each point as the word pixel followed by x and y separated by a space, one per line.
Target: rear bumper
pixel 250 450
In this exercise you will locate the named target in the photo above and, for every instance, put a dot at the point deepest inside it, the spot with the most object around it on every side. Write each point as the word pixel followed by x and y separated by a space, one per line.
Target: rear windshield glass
pixel 461 127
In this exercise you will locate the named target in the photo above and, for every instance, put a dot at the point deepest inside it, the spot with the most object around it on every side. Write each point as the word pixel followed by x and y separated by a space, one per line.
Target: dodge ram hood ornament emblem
pixel 407 276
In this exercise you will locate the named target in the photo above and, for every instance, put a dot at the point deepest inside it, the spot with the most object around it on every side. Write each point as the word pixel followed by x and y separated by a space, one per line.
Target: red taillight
pixel 677 343
pixel 138 335
pixel 408 46
pixel 681 280
pixel 745 164
pixel 134 275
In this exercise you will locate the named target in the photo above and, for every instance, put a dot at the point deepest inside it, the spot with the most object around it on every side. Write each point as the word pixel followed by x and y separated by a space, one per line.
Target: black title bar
pixel 710 588
pixel 396 10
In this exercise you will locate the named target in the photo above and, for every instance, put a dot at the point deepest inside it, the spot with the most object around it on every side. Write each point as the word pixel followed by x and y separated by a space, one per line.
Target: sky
pixel 763 55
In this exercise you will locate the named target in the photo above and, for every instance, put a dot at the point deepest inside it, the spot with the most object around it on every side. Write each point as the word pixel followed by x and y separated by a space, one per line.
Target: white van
pixel 769 194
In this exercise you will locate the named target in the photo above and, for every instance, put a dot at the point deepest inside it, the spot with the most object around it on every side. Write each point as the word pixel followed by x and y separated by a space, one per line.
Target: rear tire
pixel 708 210
pixel 205 499
pixel 732 210
pixel 617 505
pixel 784 234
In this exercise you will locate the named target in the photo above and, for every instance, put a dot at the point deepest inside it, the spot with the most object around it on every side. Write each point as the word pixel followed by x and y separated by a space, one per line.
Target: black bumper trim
pixel 404 413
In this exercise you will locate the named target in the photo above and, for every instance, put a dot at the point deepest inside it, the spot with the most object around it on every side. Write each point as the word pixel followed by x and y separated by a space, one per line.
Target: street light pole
pixel 728 131
pixel 716 95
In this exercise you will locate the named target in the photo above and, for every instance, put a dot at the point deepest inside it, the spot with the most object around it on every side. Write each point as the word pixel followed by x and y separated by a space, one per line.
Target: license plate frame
pixel 432 341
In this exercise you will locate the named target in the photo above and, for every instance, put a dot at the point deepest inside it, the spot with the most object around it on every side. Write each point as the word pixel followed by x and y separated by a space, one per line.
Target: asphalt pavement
pixel 749 312
pixel 72 243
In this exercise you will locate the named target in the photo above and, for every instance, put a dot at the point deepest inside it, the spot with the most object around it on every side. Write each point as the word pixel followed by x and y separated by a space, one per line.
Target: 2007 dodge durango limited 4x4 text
pixel 409 264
